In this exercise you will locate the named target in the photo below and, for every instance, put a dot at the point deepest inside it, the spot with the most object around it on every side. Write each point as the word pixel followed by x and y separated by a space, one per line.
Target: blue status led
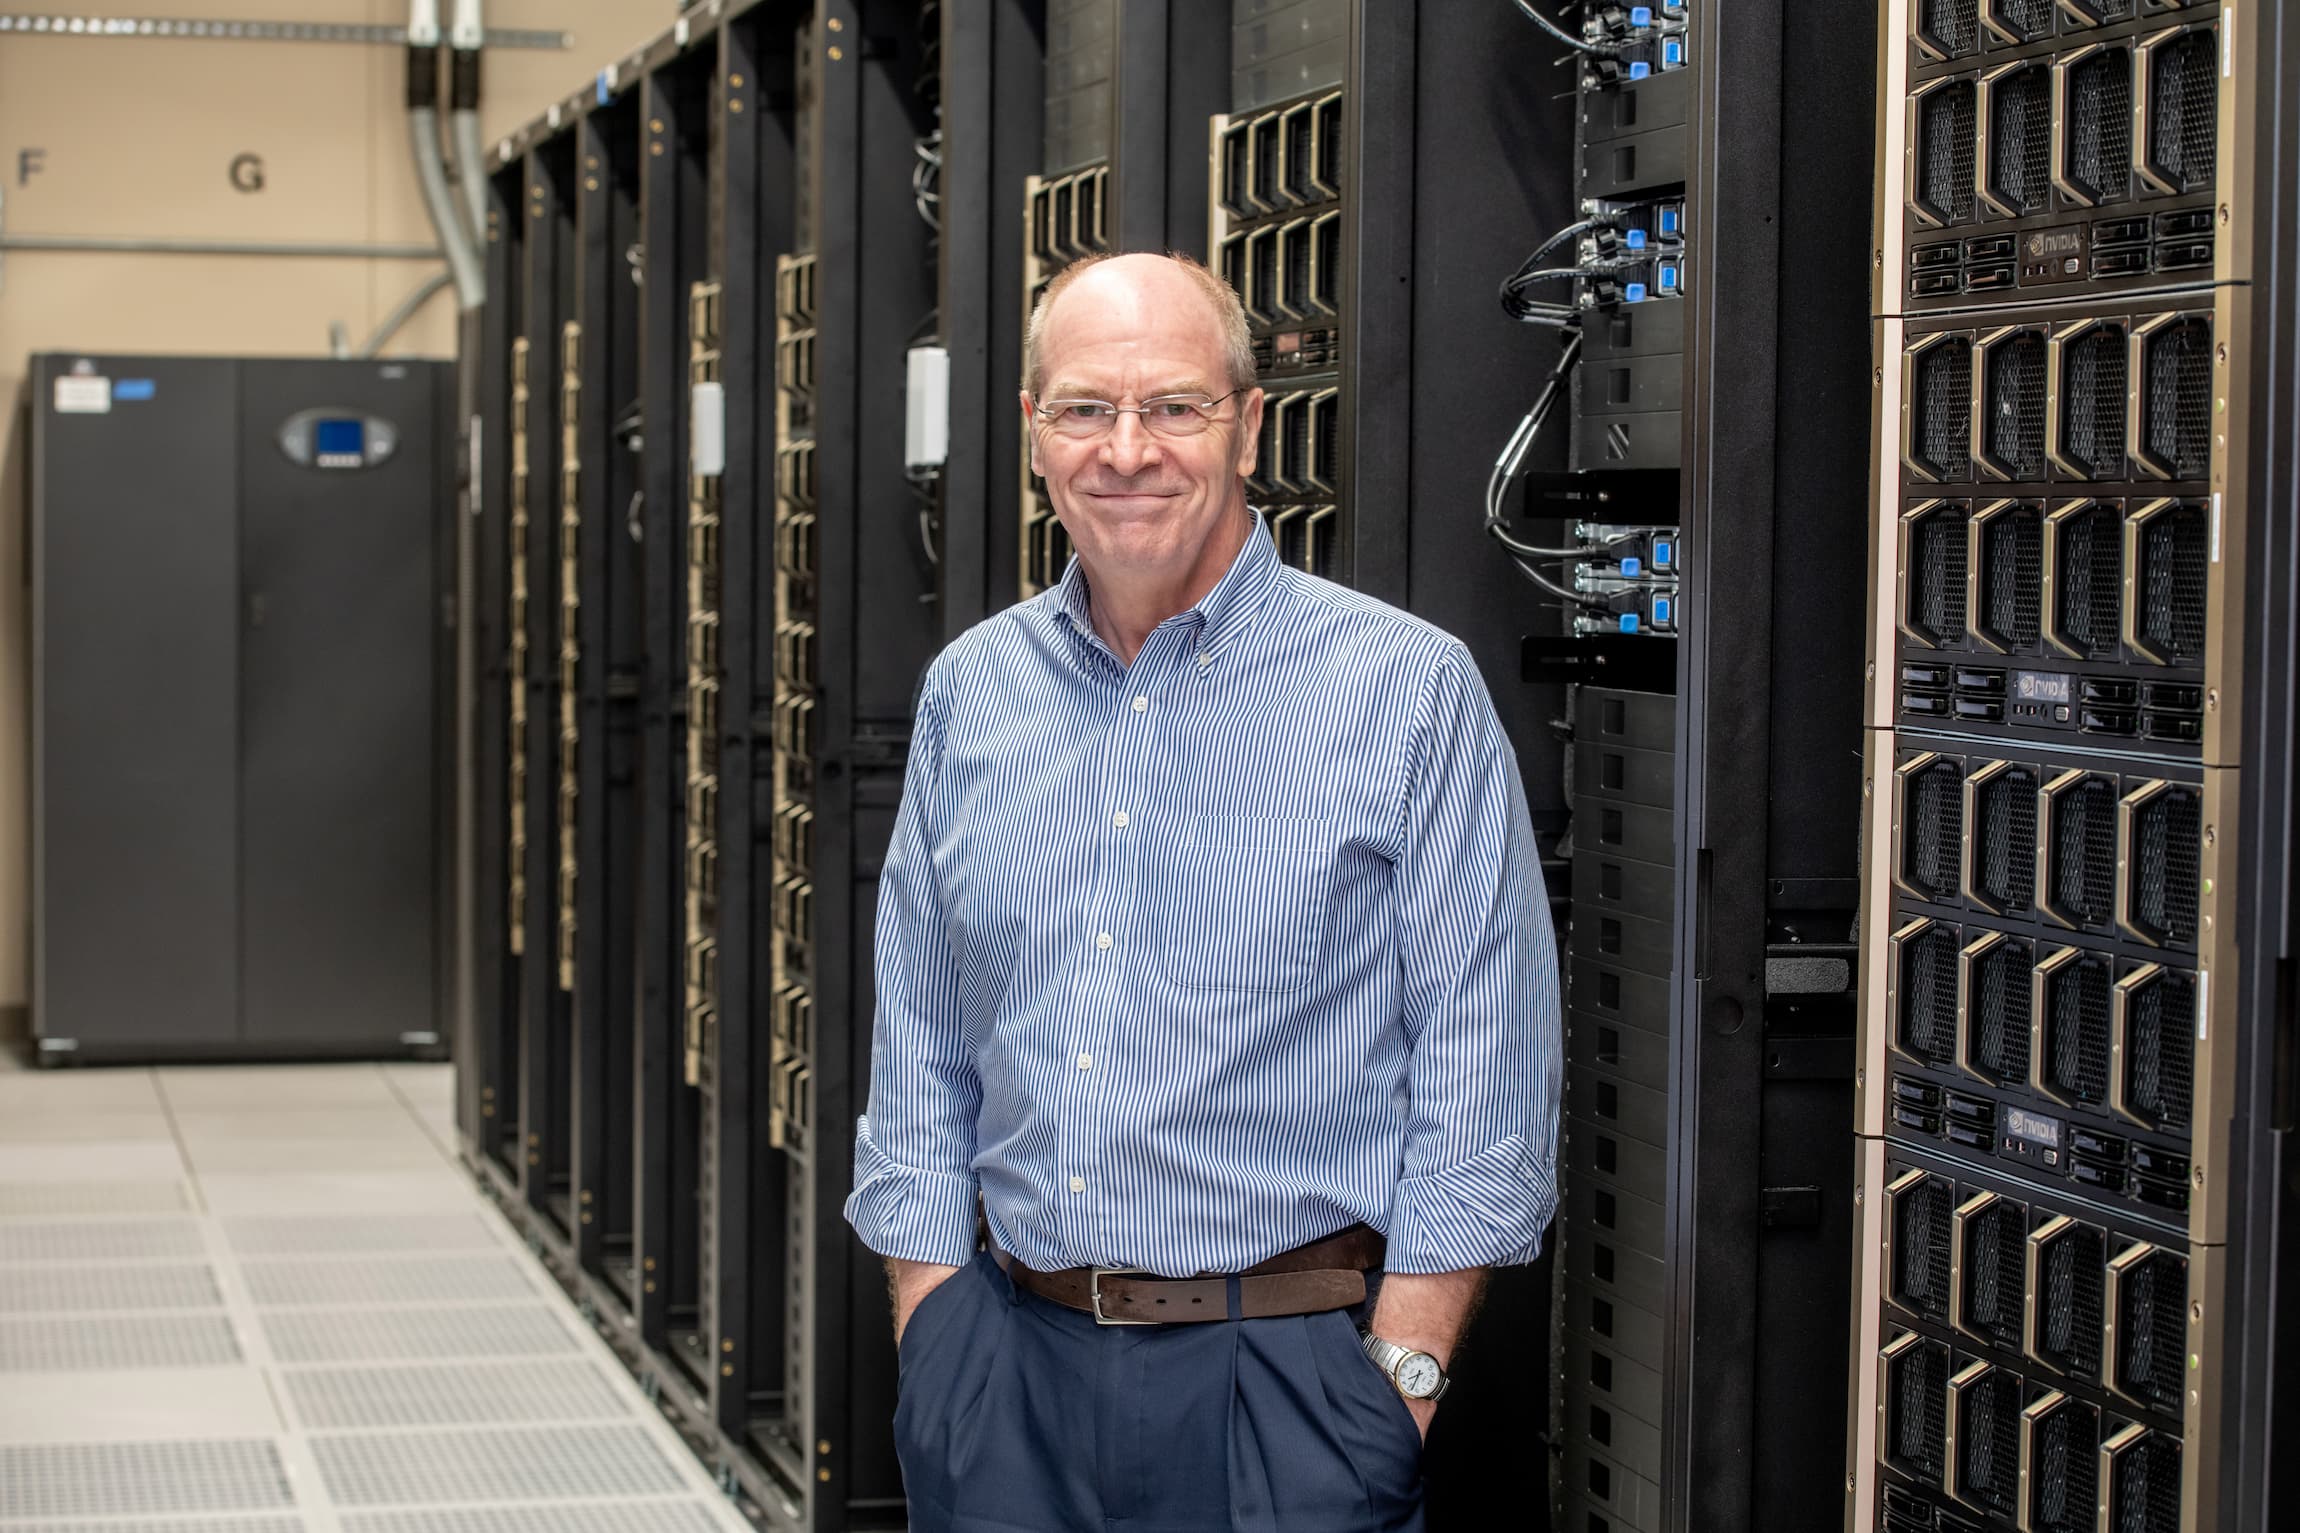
pixel 1660 611
pixel 1672 54
pixel 1633 292
pixel 1664 553
pixel 1636 238
pixel 1668 220
pixel 1641 15
pixel 1640 70
pixel 1632 567
pixel 1629 622
pixel 1667 273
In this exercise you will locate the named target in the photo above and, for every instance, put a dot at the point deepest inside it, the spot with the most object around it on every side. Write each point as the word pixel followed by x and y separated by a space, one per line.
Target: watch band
pixel 1388 1354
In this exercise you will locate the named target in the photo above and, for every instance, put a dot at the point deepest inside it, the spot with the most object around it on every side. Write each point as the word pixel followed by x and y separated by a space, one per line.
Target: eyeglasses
pixel 1171 415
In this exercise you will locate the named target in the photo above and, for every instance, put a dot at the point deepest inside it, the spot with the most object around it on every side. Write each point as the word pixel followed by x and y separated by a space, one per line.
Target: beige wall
pixel 137 137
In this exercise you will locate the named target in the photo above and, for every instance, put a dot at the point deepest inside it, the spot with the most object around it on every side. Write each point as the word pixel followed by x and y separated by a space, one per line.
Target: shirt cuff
pixel 907 1213
pixel 1488 1211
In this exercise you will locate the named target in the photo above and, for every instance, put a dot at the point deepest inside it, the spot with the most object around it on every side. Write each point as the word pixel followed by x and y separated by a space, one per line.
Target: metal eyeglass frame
pixel 1047 411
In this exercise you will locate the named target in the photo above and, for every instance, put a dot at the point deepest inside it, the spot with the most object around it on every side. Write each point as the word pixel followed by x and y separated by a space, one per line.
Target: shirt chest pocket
pixel 1245 902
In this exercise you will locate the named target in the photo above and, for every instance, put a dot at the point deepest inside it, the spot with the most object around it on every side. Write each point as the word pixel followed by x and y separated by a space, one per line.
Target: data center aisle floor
pixel 264 1300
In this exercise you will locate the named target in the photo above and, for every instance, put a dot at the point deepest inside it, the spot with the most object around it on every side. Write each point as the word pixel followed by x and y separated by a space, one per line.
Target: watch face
pixel 1418 1375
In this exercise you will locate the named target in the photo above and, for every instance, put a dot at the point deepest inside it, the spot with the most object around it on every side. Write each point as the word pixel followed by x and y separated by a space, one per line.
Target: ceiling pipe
pixel 423 42
pixel 466 39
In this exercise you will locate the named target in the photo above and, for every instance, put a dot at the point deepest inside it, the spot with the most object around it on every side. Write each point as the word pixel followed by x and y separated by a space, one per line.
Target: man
pixel 1213 960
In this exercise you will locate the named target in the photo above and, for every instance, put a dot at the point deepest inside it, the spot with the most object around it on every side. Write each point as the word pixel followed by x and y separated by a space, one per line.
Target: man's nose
pixel 1130 447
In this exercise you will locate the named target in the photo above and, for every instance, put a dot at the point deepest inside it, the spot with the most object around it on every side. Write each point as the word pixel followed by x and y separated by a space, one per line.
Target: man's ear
pixel 1249 431
pixel 1029 419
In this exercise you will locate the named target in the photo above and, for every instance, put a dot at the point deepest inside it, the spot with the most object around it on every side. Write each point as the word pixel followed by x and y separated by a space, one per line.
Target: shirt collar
pixel 1222 613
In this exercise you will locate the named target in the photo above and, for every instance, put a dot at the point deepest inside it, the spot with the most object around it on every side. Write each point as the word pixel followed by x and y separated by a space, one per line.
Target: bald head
pixel 1170 296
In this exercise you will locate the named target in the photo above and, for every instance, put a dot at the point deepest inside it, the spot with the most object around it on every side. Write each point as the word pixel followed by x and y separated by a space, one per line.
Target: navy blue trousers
pixel 1017 1415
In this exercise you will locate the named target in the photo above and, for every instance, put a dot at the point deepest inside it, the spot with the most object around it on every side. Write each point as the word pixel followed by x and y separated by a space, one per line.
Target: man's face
pixel 1136 503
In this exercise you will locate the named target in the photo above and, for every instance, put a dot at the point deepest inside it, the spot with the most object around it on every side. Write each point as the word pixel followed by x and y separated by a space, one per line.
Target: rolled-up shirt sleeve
pixel 914 1192
pixel 1480 1002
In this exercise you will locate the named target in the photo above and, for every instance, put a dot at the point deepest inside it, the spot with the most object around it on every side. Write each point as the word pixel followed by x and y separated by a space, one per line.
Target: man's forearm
pixel 907 1282
pixel 1427 1312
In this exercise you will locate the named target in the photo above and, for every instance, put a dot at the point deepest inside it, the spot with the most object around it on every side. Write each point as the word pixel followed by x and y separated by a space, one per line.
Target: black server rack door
pixel 136 621
pixel 338 835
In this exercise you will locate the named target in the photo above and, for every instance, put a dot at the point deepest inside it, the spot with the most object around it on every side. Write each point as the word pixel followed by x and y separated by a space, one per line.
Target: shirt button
pixel 1078 1184
pixel 1119 819
pixel 1103 942
pixel 1085 1061
pixel 1141 705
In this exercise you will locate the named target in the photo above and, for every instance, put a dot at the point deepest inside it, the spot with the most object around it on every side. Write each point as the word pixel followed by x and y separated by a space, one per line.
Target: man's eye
pixel 1171 409
pixel 1089 410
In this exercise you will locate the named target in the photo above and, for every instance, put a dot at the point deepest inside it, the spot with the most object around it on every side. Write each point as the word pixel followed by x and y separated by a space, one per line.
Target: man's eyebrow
pixel 1068 390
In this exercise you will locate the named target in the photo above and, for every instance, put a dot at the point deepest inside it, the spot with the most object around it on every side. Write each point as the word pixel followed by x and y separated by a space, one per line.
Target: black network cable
pixel 1532 311
pixel 1506 468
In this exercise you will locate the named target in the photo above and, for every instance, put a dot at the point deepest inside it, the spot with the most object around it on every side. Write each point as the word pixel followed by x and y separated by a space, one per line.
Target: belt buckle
pixel 1094 1279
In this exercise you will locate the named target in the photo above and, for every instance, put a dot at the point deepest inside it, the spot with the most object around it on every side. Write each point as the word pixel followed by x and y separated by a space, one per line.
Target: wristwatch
pixel 1416 1374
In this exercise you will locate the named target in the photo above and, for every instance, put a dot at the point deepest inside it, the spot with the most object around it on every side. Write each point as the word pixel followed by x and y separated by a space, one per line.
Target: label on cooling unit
pixel 83 395
pixel 2052 255
pixel 2027 1135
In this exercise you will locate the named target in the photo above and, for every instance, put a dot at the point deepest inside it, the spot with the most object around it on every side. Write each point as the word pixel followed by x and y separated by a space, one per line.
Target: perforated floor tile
pixel 100 1240
pixel 53 1286
pixel 296 1314
pixel 528 1465
pixel 360 1235
pixel 452 1394
pixel 395 1280
pixel 350 1336
pixel 22 1199
pixel 621 1517
pixel 141 1479
pixel 53 1343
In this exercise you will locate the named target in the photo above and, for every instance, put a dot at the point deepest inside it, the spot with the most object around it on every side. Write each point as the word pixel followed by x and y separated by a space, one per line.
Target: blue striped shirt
pixel 1186 963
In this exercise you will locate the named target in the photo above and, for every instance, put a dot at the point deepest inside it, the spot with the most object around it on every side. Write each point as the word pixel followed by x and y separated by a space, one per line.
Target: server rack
pixel 625 1227
pixel 725 684
pixel 536 679
pixel 677 110
pixel 601 612
pixel 488 1056
pixel 2060 1257
pixel 1277 208
pixel 992 112
pixel 1395 151
pixel 764 104
pixel 855 652
pixel 1705 362
pixel 1122 170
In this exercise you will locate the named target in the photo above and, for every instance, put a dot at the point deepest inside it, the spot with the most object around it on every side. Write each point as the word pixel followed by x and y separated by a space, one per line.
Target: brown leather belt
pixel 1308 1280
